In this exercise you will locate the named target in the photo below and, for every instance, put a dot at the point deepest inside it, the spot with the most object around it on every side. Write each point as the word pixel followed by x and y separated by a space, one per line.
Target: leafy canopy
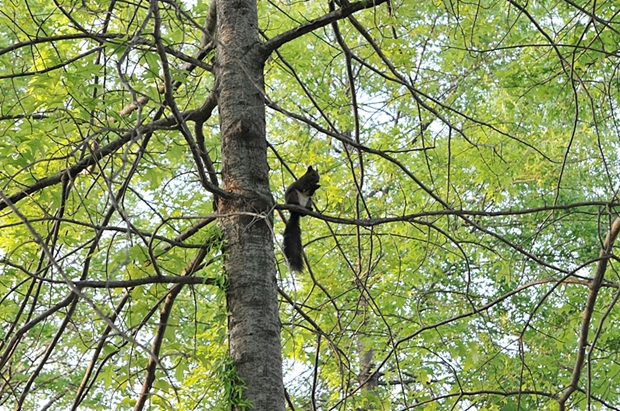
pixel 468 155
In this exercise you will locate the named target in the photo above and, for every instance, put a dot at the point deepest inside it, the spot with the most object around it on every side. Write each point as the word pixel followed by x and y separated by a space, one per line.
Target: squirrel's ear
pixel 309 168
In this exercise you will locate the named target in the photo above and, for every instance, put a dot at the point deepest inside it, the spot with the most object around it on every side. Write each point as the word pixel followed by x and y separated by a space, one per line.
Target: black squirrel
pixel 300 193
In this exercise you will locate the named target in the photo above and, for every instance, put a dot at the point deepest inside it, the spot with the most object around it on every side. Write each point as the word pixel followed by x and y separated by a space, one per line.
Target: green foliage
pixel 233 386
pixel 470 157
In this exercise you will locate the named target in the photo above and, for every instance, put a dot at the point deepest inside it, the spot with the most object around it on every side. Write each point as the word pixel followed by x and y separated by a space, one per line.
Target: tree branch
pixel 75 170
pixel 322 21
pixel 51 39
pixel 595 286
pixel 164 316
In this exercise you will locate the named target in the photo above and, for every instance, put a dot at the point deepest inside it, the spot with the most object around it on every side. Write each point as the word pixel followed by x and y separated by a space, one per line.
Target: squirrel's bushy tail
pixel 292 243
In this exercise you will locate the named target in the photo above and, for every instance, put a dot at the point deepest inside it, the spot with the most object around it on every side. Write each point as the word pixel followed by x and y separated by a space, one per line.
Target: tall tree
pixel 247 222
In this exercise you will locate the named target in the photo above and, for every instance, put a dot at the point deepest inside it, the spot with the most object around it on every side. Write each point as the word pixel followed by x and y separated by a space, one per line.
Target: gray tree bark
pixel 254 325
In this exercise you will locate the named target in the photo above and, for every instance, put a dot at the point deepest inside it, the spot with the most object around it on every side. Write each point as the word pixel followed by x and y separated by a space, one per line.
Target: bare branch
pixel 317 23
pixel 595 286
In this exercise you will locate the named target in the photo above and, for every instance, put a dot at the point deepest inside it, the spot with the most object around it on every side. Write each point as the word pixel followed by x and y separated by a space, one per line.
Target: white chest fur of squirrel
pixel 299 193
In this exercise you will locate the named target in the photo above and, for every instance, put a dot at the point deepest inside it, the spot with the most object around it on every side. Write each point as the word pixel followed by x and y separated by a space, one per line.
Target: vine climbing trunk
pixel 253 323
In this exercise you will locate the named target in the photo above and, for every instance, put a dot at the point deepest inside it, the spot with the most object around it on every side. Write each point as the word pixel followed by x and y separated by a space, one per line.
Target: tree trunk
pixel 254 326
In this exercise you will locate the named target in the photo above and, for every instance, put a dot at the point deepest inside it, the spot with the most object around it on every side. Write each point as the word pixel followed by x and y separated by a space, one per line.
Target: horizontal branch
pixel 186 280
pixel 51 68
pixel 79 284
pixel 317 23
pixel 51 39
pixel 371 222
pixel 135 282
pixel 33 116
pixel 480 393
